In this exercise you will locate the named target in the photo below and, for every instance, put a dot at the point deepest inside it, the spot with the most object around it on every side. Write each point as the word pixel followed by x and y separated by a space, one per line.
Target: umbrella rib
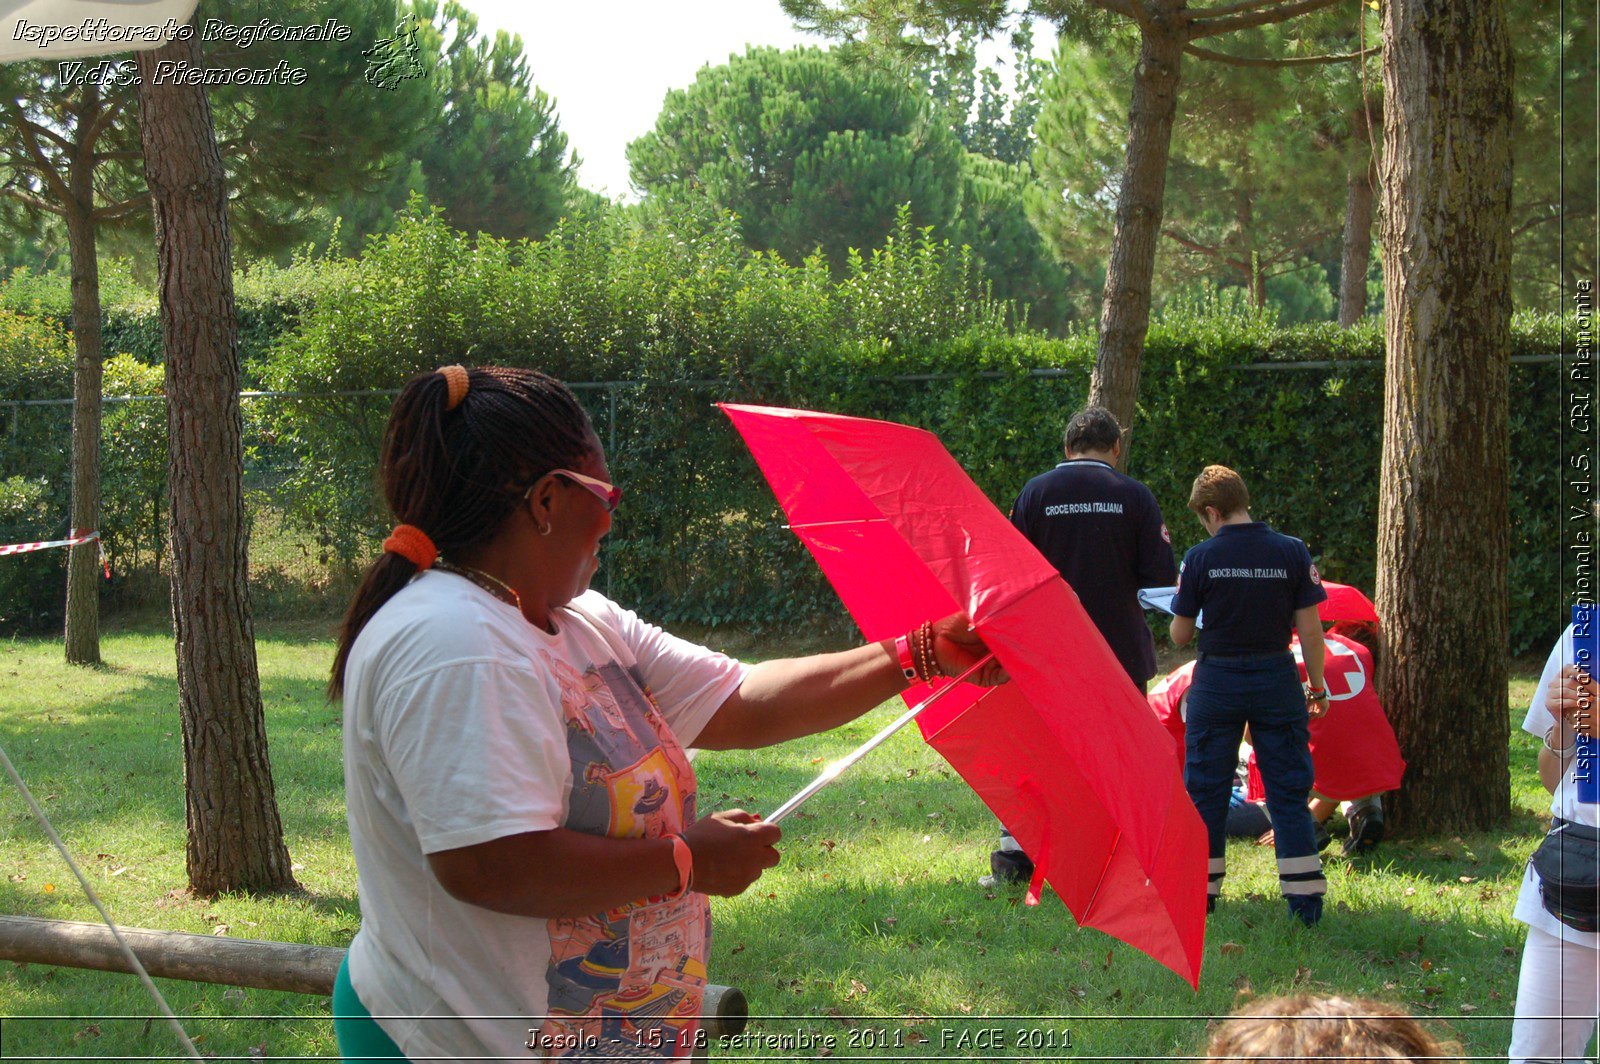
pixel 1101 881
pixel 832 524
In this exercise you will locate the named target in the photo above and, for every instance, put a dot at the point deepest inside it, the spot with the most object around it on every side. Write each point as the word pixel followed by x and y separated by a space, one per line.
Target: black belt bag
pixel 1568 863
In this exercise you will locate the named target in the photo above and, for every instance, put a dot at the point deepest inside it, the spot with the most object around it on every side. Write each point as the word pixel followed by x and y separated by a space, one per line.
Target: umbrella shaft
pixel 835 770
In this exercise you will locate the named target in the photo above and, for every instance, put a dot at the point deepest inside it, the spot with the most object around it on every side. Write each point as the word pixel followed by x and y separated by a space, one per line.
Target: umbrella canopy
pixel 1067 755
pixel 62 29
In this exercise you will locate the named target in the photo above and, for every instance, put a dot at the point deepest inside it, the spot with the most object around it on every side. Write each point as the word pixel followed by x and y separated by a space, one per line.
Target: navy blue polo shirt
pixel 1249 580
pixel 1103 532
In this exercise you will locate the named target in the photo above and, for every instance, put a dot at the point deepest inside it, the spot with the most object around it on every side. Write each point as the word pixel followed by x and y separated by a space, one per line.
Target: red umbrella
pixel 1346 603
pixel 1067 755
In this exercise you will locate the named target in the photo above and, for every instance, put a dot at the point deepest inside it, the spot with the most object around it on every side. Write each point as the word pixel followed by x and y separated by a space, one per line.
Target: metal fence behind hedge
pixel 295 571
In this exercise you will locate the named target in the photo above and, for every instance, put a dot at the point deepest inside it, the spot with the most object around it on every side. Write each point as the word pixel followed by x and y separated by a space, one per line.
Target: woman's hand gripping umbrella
pixel 1068 754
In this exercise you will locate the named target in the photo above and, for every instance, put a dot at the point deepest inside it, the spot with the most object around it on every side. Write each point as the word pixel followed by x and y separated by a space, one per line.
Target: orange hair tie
pixel 412 544
pixel 456 379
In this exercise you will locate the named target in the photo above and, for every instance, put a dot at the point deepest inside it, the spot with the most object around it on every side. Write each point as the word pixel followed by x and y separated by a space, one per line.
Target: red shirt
pixel 1353 748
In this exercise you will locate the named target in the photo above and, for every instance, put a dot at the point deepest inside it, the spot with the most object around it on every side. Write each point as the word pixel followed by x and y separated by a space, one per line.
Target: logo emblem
pixel 1342 671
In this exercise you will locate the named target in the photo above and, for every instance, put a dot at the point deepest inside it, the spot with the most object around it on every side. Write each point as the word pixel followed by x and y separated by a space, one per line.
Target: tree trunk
pixel 1443 525
pixel 1125 305
pixel 1357 228
pixel 82 635
pixel 235 836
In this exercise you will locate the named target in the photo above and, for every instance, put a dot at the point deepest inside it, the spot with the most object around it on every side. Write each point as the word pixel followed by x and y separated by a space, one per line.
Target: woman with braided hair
pixel 533 872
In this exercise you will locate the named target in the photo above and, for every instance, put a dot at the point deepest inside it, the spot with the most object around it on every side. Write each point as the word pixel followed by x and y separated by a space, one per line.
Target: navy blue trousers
pixel 1263 692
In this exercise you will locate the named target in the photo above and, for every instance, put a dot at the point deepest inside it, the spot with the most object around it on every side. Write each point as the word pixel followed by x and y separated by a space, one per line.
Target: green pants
pixel 360 1037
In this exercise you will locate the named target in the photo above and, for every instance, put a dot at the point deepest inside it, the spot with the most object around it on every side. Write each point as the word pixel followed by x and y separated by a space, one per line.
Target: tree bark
pixel 1125 305
pixel 235 838
pixel 1443 525
pixel 1357 246
pixel 82 636
pixel 1357 228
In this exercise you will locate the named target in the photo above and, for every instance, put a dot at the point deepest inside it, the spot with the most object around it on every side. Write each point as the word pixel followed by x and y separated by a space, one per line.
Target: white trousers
pixel 1558 999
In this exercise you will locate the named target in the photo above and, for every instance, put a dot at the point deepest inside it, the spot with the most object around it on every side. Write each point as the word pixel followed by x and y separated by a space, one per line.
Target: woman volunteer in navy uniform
pixel 1254 585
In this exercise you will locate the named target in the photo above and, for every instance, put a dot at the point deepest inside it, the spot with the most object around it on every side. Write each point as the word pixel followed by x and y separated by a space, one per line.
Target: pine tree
pixel 811 153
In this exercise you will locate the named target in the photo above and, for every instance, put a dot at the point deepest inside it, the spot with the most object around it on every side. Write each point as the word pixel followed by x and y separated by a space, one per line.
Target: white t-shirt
pixel 1564 803
pixel 463 723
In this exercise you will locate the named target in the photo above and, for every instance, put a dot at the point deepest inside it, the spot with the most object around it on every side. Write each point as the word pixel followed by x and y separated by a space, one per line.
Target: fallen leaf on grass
pixel 1228 949
pixel 962 1006
pixel 737 949
pixel 1410 891
pixel 222 929
pixel 857 988
pixel 1467 1008
pixel 119 871
pixel 49 888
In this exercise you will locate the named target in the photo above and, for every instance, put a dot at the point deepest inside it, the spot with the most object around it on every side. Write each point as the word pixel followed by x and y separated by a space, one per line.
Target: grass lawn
pixel 872 931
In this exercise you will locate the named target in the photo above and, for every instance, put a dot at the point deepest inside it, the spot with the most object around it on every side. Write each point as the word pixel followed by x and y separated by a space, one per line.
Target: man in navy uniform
pixel 1255 585
pixel 1103 532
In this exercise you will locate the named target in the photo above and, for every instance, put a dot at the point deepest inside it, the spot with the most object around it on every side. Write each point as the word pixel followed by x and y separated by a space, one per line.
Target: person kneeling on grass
pixel 1255 585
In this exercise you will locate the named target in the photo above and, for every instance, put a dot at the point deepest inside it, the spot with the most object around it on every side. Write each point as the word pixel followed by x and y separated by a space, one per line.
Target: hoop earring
pixel 544 529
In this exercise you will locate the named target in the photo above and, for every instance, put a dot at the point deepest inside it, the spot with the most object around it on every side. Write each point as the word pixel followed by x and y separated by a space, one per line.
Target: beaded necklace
pixel 492 584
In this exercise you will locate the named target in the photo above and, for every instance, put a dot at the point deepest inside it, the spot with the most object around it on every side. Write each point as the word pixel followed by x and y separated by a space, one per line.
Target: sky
pixel 609 79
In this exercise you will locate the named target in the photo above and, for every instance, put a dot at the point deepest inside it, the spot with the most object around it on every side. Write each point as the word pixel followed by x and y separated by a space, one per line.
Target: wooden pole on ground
pixel 261 965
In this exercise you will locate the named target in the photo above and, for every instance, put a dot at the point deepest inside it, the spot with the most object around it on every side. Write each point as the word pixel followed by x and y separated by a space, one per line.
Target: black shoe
pixel 1211 903
pixel 1008 866
pixel 1366 831
pixel 1322 837
pixel 1307 908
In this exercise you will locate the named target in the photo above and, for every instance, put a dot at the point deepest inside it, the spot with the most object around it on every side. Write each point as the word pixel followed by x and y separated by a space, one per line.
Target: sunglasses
pixel 608 494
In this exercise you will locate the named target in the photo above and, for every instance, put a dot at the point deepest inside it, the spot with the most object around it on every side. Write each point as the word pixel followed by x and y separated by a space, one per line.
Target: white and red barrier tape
pixel 74 538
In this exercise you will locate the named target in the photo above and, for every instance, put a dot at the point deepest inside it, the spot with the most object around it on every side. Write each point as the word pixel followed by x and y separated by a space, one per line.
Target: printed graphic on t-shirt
pixel 628 982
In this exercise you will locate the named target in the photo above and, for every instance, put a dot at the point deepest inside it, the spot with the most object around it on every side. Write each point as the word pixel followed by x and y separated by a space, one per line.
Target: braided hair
pixel 459 472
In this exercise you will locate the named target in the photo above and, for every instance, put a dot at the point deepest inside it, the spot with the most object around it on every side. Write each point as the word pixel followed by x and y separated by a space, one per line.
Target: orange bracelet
pixel 683 857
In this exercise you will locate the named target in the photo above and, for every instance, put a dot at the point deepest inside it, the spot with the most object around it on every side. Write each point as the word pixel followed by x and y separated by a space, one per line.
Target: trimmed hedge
pixel 676 315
